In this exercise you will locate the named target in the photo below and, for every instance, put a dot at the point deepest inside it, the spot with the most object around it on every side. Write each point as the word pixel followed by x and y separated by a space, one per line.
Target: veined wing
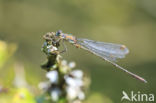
pixel 109 52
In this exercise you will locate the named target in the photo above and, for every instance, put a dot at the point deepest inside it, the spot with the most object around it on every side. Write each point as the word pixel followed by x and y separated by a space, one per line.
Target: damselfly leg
pixel 64 46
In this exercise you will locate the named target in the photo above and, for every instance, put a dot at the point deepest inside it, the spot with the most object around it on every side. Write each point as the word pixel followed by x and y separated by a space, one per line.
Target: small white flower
pixel 55 94
pixel 53 76
pixel 77 74
pixel 71 93
pixel 74 82
pixel 77 101
pixel 81 95
pixel 72 64
pixel 64 69
pixel 54 66
pixel 54 48
pixel 51 48
pixel 64 62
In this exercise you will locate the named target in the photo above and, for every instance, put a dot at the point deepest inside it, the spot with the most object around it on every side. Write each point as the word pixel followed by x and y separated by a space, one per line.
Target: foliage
pixel 6 50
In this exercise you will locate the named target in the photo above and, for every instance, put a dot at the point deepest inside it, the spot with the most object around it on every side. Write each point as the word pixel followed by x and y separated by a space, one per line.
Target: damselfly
pixel 109 52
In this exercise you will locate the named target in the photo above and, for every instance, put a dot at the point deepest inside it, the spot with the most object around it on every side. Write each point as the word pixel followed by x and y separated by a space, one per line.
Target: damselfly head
pixel 58 32
pixel 51 39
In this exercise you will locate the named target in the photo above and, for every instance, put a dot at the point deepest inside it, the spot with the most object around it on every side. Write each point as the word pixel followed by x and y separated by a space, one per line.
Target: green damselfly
pixel 109 52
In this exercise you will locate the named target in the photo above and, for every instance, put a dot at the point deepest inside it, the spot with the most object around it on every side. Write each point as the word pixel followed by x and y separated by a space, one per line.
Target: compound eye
pixel 58 32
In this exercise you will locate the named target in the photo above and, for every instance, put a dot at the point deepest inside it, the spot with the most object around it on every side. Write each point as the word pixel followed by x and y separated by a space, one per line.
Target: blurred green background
pixel 129 22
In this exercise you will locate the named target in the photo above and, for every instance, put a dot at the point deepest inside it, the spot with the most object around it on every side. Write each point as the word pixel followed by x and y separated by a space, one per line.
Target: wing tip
pixel 124 48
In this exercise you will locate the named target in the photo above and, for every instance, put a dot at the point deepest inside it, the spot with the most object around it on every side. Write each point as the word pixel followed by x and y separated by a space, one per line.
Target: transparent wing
pixel 108 51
